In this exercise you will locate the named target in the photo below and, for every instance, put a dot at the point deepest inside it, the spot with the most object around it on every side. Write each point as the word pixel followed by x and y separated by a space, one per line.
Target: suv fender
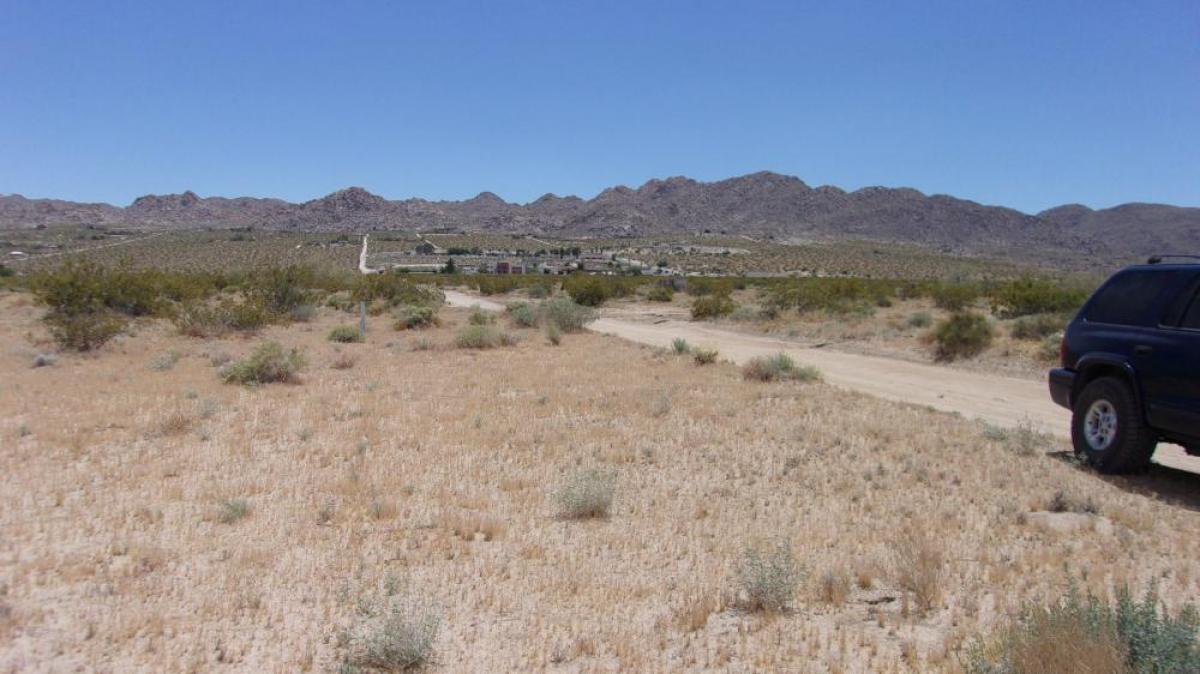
pixel 1095 365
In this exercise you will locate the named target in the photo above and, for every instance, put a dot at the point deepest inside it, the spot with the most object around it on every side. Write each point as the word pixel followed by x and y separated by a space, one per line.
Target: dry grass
pixel 113 556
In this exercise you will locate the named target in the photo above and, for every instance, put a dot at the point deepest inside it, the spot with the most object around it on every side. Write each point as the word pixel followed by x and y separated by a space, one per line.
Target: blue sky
pixel 1026 104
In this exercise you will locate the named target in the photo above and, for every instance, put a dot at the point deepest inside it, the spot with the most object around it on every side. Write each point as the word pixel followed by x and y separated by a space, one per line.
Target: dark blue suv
pixel 1130 369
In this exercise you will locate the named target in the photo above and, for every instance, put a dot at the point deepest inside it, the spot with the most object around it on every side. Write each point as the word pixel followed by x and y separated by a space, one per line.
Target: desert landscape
pixel 490 493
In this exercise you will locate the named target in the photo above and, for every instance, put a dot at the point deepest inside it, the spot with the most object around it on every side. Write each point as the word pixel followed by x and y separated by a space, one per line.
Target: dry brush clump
pixel 345 334
pixel 269 364
pixel 397 637
pixel 477 336
pixel 587 494
pixel 779 367
pixel 767 578
pixel 919 566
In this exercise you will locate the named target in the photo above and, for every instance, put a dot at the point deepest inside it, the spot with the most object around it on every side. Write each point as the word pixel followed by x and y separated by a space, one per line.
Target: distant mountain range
pixel 760 205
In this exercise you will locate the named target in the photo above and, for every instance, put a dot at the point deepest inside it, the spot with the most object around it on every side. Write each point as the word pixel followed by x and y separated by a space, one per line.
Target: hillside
pixel 761 205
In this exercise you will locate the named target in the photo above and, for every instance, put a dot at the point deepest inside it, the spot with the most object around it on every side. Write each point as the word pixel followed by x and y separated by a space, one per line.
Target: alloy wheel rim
pixel 1100 425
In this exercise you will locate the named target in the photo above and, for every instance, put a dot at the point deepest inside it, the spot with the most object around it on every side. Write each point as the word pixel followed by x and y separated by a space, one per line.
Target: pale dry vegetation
pixel 417 509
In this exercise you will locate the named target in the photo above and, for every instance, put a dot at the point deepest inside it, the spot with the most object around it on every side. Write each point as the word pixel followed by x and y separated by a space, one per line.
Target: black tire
pixel 1129 448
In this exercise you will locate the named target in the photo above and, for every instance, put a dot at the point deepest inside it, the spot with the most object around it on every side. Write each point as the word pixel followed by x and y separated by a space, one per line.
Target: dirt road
pixel 995 399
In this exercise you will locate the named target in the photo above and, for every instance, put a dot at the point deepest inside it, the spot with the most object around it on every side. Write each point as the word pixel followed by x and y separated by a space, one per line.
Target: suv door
pixel 1173 392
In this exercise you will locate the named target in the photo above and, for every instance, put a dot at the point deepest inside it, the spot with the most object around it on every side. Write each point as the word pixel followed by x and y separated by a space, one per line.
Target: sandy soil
pixel 996 399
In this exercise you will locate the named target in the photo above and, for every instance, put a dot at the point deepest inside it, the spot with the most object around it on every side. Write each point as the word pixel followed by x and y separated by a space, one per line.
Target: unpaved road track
pixel 995 399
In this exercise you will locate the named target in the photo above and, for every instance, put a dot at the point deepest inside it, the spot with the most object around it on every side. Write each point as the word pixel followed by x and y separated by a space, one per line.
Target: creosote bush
pixel 345 334
pixel 587 494
pixel 767 579
pixel 660 293
pixel 416 317
pixel 1040 326
pixel 1081 634
pixel 712 306
pixel 483 337
pixel 565 314
pixel 233 510
pixel 269 364
pixel 921 319
pixel 704 356
pixel 680 346
pixel 522 314
pixel 779 367
pixel 553 334
pixel 962 335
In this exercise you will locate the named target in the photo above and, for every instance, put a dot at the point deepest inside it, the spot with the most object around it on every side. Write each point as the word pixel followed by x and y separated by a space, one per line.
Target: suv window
pixel 1191 319
pixel 1133 298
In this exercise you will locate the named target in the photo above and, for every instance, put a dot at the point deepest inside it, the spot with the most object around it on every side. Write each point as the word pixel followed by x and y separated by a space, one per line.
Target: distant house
pixel 503 268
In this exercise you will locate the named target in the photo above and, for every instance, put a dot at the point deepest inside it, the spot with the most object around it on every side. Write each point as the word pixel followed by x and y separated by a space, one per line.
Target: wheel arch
pixel 1093 367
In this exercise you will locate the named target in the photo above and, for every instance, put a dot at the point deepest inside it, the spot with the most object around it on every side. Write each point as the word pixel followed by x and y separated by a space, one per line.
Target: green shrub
pixel 483 337
pixel 661 293
pixel 553 334
pixel 921 319
pixel 1029 296
pixel 712 306
pixel 345 334
pixel 1084 634
pixel 340 301
pixel 415 317
pixel 522 314
pixel 6 272
pixel 233 510
pixel 704 356
pixel 680 346
pixel 1039 326
pixel 565 314
pixel 587 494
pixel 392 290
pixel 282 289
pixel 767 579
pixel 303 313
pixel 962 335
pixel 954 296
pixel 268 364
pixel 480 317
pixel 590 291
pixel 85 331
pixel 779 367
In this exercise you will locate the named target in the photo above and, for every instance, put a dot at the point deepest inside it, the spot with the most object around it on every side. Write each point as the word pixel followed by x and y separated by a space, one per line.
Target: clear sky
pixel 1025 104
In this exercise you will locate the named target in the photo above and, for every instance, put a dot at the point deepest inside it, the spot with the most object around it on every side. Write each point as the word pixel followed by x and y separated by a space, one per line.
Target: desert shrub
pixel 539 291
pixel 281 289
pixel 1027 296
pixel 165 361
pixel 415 317
pixel 422 344
pixel 833 587
pixel 1063 502
pixel 6 272
pixel 401 639
pixel 1037 327
pixel 341 301
pixel 85 331
pixel 345 334
pixel 587 494
pixel 921 319
pixel 45 360
pixel 954 296
pixel 553 334
pixel 494 285
pixel 392 290
pixel 712 306
pixel 962 335
pixel 704 356
pixel 590 291
pixel 701 286
pixel 480 317
pixel 269 363
pixel 1083 634
pixel 919 566
pixel 660 293
pixel 483 337
pixel 680 346
pixel 522 314
pixel 303 313
pixel 767 579
pixel 779 367
pixel 834 295
pixel 565 314
pixel 233 510
pixel 199 318
pixel 1049 349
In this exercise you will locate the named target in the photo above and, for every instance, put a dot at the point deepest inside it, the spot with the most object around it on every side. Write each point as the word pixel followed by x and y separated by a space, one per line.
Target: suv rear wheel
pixel 1107 429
